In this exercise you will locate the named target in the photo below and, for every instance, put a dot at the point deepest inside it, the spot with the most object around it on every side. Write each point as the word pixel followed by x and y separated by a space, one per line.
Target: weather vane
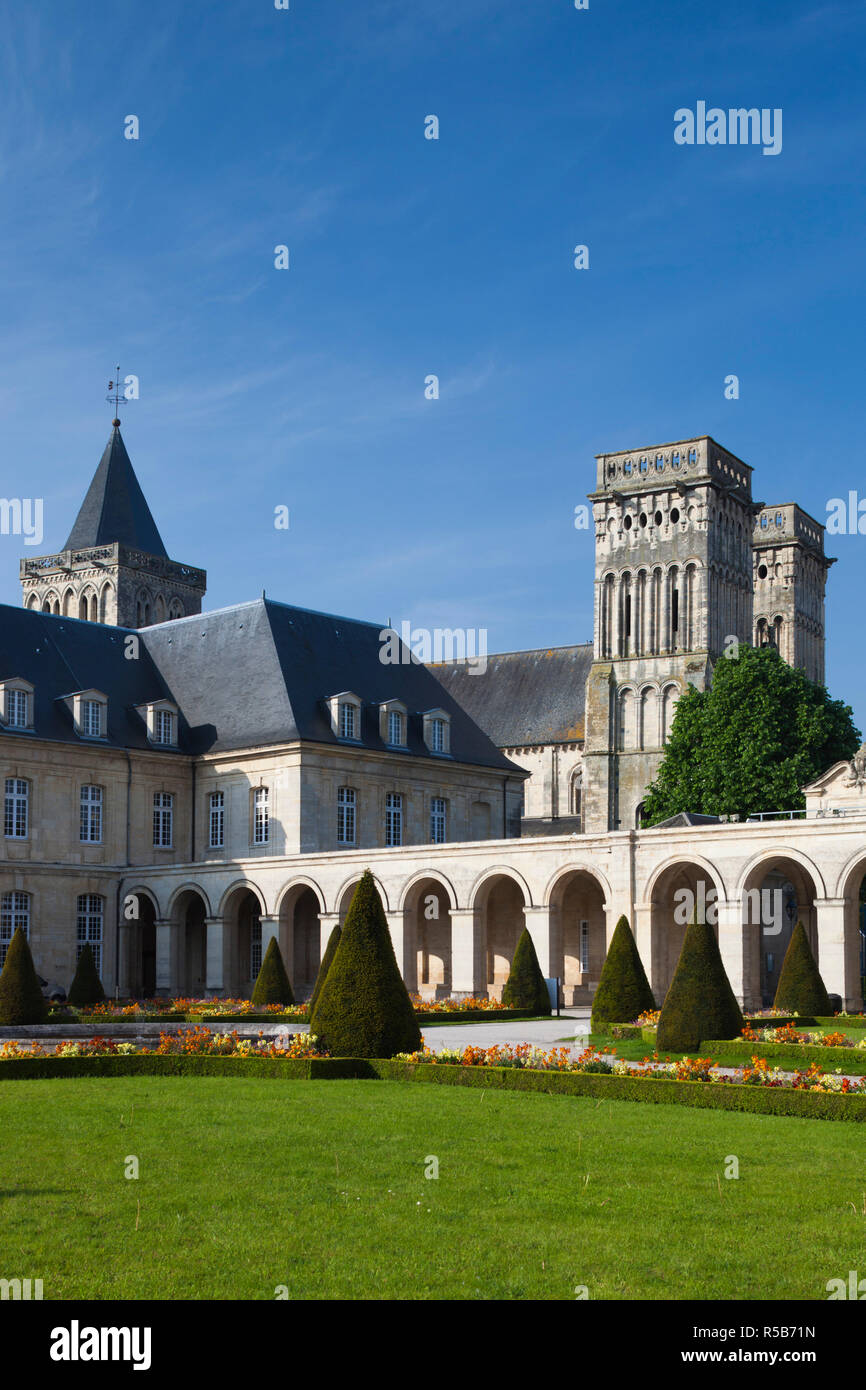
pixel 116 395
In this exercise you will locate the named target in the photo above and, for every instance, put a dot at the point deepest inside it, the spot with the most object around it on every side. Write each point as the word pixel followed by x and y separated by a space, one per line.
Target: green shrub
pixel 86 987
pixel 272 985
pixel 623 991
pixel 330 952
pixel 700 1002
pixel 801 989
pixel 363 1009
pixel 21 999
pixel 525 987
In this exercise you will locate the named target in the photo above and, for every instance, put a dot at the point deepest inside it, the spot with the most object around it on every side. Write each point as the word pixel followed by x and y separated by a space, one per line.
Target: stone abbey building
pixel 177 819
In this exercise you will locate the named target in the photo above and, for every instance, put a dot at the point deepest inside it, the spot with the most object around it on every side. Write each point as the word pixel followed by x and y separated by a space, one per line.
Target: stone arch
pixel 669 696
pixel 344 896
pixel 300 905
pixel 423 876
pixel 242 909
pixel 68 602
pixel 187 887
pixel 648 731
pixel 33 602
pixel 499 900
pixel 626 718
pixel 138 942
pixel 496 871
pixel 175 609
pixel 777 888
pixel 670 910
pixel 159 609
pixel 84 604
pixel 577 899
pixel 235 887
pixel 188 968
pixel 105 595
pixel 427 902
pixel 851 889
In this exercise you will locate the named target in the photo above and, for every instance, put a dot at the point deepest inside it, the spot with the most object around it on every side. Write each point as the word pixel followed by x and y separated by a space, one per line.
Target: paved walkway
pixel 544 1033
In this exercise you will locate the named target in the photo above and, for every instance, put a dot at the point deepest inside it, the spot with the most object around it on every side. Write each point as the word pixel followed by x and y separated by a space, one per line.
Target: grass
pixel 636 1049
pixel 248 1185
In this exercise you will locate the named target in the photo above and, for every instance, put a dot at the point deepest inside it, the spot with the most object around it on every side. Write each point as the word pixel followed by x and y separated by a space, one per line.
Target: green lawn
pixel 246 1185
pixel 636 1049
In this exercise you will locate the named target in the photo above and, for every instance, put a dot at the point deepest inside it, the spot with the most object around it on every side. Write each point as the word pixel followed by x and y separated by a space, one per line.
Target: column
pixel 642 928
pixel 327 922
pixel 404 948
pixel 541 925
pixel 167 951
pixel 216 962
pixel 839 950
pixel 270 932
pixel 468 975
pixel 664 643
pixel 128 938
pixel 740 948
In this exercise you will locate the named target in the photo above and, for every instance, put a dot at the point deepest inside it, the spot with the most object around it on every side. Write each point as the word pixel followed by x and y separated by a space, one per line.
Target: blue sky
pixel 410 257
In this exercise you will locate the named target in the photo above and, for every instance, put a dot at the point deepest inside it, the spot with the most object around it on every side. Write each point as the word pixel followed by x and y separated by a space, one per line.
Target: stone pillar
pixel 541 923
pixel 664 616
pixel 167 957
pixel 404 948
pixel 271 931
pixel 129 936
pixel 740 947
pixel 839 950
pixel 216 950
pixel 468 975
pixel 327 922
pixel 642 928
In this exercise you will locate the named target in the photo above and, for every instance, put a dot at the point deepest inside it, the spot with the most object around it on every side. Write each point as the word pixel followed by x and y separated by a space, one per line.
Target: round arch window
pixel 627 523
pixel 762 571
pixel 675 515
pixel 658 518
pixel 643 519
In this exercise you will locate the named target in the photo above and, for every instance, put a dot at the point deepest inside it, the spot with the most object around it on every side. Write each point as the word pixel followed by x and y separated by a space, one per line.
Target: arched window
pixel 175 609
pixel 88 928
pixel 575 794
pixel 648 729
pixel 626 731
pixel 69 603
pixel 159 609
pixel 669 704
pixel 104 600
pixel 14 913
pixel 83 607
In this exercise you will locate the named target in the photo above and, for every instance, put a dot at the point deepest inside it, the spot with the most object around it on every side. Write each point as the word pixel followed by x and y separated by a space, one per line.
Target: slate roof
pixel 524 698
pixel 114 509
pixel 683 819
pixel 251 675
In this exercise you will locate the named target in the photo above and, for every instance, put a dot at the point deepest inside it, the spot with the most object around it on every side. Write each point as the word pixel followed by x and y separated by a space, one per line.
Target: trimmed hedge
pixel 86 987
pixel 21 999
pixel 700 1002
pixel 842 1024
pixel 364 1009
pixel 699 1095
pixel 526 987
pixel 623 989
pixel 330 952
pixel 797 1055
pixel 272 985
pixel 800 988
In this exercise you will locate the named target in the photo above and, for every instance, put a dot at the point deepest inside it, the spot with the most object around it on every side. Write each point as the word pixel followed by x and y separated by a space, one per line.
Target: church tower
pixel 673 587
pixel 114 567
pixel 790 582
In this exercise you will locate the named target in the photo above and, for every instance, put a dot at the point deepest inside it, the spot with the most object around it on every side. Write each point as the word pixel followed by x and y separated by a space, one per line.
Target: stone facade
pixel 789 583
pixel 112 584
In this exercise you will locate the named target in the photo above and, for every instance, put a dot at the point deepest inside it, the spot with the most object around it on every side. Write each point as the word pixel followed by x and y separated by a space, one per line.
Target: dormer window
pixel 89 709
pixel 396 728
pixel 161 718
pixel 393 723
pixel 345 712
pixel 16 704
pixel 437 731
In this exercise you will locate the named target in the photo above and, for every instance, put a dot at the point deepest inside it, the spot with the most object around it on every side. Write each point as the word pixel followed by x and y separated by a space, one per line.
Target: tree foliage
pixel 273 985
pixel 623 991
pixel 700 1003
pixel 526 987
pixel 21 999
pixel 86 987
pixel 363 1009
pixel 761 732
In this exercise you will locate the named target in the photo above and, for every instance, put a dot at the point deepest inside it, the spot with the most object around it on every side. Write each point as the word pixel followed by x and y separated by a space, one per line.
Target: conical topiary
pixel 21 999
pixel 363 1009
pixel 526 987
pixel 700 1003
pixel 330 951
pixel 623 991
pixel 86 987
pixel 273 985
pixel 801 989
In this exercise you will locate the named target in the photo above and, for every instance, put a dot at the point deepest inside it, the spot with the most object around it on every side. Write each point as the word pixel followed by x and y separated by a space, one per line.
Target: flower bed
pixel 229 1010
pixel 198 1041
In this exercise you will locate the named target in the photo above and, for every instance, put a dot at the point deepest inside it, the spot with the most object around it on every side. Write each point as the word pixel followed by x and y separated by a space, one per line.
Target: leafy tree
pixel 21 999
pixel 800 989
pixel 86 987
pixel 273 985
pixel 623 990
pixel 761 732
pixel 700 1003
pixel 330 951
pixel 363 1009
pixel 525 987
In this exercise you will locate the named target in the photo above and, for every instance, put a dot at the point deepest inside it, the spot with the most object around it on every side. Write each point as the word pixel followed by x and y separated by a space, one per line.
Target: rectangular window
pixel 345 816
pixel 255 947
pixel 217 820
pixel 16 708
pixel 438 820
pixel 14 913
pixel 163 726
pixel 90 816
pixel 91 718
pixel 163 810
pixel 584 947
pixel 89 919
pixel 347 720
pixel 393 819
pixel 261 816
pixel 16 810
pixel 438 736
pixel 395 728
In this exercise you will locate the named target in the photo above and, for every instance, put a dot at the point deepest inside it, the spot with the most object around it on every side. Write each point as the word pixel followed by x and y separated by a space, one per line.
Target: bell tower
pixel 114 567
pixel 673 587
